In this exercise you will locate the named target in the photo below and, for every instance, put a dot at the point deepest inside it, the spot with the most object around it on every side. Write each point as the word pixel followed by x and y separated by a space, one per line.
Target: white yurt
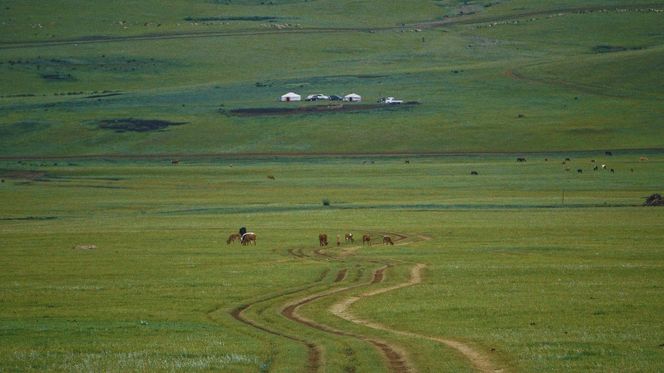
pixel 291 96
pixel 353 97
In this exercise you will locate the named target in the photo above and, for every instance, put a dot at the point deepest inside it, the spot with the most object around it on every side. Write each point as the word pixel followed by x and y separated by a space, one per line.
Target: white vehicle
pixel 390 100
pixel 317 96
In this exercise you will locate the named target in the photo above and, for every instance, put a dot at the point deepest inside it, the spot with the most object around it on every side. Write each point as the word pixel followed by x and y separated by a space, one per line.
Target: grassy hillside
pixel 509 77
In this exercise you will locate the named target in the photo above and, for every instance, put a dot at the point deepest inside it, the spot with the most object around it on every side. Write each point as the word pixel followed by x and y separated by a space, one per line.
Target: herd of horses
pixel 348 237
pixel 250 238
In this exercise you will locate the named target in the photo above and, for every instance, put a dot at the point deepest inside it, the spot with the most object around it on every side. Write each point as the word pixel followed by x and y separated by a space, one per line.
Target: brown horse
pixel 232 238
pixel 248 238
pixel 366 239
pixel 322 239
pixel 387 240
pixel 349 237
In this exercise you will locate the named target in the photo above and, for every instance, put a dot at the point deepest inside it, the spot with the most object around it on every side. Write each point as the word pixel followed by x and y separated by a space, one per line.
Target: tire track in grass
pixel 480 361
pixel 314 351
pixel 394 356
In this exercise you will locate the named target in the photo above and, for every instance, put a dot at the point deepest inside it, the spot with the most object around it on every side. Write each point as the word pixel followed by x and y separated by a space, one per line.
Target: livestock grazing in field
pixel 387 240
pixel 579 171
pixel 366 239
pixel 567 160
pixel 612 171
pixel 474 173
pixel 603 167
pixel 608 153
pixel 322 239
pixel 233 237
pixel 270 177
pixel 643 158
pixel 595 168
pixel 248 238
pixel 349 237
pixel 521 159
pixel 175 161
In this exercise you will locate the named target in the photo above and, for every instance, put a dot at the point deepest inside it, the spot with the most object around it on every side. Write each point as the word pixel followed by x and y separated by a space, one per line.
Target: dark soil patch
pixel 320 109
pixel 62 77
pixel 136 125
pixel 22 174
pixel 37 218
pixel 612 49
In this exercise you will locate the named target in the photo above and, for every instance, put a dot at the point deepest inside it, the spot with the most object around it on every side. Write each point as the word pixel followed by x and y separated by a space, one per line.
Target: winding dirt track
pixel 396 358
pixel 480 361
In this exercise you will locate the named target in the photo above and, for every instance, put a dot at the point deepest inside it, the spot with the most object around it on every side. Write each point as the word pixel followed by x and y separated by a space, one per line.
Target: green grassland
pixel 545 265
pixel 550 284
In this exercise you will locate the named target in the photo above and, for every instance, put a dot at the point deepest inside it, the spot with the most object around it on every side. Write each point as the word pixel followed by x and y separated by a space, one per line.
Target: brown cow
pixel 349 237
pixel 233 237
pixel 322 239
pixel 387 240
pixel 366 239
pixel 248 238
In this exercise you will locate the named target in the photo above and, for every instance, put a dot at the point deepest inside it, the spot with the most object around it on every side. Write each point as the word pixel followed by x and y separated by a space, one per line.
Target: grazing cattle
pixel 612 170
pixel 643 159
pixel 322 239
pixel 521 159
pixel 474 173
pixel 366 239
pixel 579 171
pixel 608 153
pixel 270 177
pixel 603 167
pixel 175 161
pixel 387 240
pixel 248 238
pixel 592 161
pixel 567 160
pixel 349 237
pixel 595 168
pixel 233 237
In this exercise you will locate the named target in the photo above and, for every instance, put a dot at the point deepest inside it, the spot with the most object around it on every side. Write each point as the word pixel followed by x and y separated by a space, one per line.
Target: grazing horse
pixel 387 240
pixel 248 238
pixel 349 237
pixel 322 239
pixel 521 159
pixel 233 237
pixel 366 239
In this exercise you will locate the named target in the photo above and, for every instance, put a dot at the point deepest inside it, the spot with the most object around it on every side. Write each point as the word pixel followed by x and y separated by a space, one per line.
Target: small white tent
pixel 290 96
pixel 353 97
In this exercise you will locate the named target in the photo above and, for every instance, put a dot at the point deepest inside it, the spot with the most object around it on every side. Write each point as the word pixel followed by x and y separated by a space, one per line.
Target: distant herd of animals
pixel 250 238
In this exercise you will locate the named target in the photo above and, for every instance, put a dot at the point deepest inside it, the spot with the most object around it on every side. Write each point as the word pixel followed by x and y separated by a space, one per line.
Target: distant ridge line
pixel 263 155
pixel 457 20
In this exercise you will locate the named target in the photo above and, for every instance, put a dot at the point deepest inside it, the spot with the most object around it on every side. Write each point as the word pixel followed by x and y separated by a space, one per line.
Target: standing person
pixel 243 230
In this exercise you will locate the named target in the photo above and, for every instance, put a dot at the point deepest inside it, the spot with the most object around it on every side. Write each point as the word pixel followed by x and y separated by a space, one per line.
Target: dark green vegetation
pixel 136 136
pixel 499 76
